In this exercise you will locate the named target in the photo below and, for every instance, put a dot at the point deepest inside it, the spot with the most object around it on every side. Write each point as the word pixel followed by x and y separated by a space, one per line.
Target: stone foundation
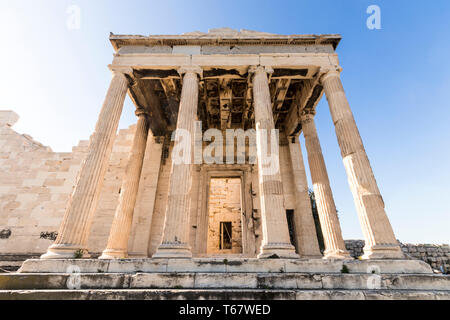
pixel 316 279
pixel 228 265
pixel 222 294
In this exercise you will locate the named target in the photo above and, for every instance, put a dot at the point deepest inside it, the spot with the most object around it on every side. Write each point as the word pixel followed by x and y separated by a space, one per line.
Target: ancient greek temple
pixel 226 79
pixel 206 196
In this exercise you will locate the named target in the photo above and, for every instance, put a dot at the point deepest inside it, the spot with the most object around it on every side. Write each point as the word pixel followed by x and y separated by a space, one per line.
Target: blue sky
pixel 397 80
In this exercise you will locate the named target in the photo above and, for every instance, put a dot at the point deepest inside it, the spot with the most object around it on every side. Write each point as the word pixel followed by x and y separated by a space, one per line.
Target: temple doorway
pixel 224 216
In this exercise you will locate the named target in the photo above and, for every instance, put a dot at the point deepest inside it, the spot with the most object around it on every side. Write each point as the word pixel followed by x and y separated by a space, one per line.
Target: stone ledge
pixel 17 257
pixel 154 294
pixel 225 265
pixel 273 281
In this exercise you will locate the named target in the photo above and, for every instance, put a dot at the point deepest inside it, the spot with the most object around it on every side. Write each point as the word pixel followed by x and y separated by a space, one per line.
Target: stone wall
pixel 438 256
pixel 355 247
pixel 35 185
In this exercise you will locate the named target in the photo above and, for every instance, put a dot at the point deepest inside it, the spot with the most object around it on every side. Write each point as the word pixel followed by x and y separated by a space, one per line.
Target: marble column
pixel 326 208
pixel 276 239
pixel 74 229
pixel 117 246
pixel 379 237
pixel 176 226
pixel 305 229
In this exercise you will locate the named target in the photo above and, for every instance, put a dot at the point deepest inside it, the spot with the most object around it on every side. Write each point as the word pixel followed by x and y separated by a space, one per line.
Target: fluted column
pixel 326 208
pixel 175 235
pixel 305 229
pixel 379 237
pixel 74 229
pixel 273 213
pixel 117 246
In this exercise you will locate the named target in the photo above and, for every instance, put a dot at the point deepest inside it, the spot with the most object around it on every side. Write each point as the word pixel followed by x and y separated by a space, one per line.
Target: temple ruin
pixel 122 198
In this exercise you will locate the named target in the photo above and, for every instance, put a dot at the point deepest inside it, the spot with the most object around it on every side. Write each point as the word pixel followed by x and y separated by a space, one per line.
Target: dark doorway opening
pixel 225 235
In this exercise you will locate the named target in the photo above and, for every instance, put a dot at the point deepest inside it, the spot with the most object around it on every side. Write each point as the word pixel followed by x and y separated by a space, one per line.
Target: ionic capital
pixel 259 68
pixel 141 112
pixel 123 72
pixel 307 115
pixel 330 71
pixel 191 69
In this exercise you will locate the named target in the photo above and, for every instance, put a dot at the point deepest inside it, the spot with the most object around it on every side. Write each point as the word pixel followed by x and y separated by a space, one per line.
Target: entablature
pixel 225 87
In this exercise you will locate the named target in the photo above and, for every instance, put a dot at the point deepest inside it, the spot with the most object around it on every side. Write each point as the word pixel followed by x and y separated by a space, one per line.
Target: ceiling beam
pixel 281 89
pixel 143 96
pixel 307 97
pixel 225 96
pixel 171 91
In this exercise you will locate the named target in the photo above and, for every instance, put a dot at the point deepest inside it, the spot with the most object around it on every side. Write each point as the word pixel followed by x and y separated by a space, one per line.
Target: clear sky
pixel 397 80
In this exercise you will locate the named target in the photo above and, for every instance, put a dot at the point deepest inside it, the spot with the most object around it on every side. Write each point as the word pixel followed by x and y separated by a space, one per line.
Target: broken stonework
pixel 437 256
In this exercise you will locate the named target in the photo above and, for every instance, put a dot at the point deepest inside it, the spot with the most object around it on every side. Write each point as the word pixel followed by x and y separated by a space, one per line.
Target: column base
pixel 337 254
pixel 383 251
pixel 278 250
pixel 173 250
pixel 113 254
pixel 63 251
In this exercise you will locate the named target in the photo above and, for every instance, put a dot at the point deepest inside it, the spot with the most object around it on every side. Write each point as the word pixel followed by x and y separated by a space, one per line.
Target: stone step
pixel 222 294
pixel 247 265
pixel 200 280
